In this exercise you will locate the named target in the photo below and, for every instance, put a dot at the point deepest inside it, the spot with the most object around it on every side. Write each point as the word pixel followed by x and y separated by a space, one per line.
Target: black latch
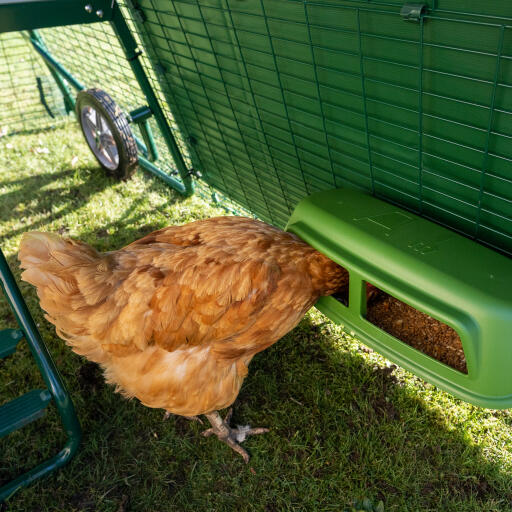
pixel 135 55
pixel 139 14
pixel 413 12
pixel 160 68
pixel 137 11
pixel 194 173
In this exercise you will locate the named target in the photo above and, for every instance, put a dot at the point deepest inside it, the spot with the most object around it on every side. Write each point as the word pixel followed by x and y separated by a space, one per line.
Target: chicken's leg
pixel 168 414
pixel 231 436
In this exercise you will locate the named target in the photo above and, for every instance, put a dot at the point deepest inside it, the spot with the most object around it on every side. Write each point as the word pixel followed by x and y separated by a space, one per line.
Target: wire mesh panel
pixel 93 54
pixel 29 98
pixel 284 98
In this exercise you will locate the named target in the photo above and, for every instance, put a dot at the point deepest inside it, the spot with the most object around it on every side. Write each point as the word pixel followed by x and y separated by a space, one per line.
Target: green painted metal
pixel 30 14
pixel 23 410
pixel 287 98
pixel 133 52
pixel 16 15
pixel 53 381
pixel 21 109
pixel 59 71
pixel 140 114
pixel 147 135
pixel 170 180
pixel 54 64
pixel 435 270
pixel 141 117
pixel 69 99
pixel 148 147
pixel 93 54
pixel 9 339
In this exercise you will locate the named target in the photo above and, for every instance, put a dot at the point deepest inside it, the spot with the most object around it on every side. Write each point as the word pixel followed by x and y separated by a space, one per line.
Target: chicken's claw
pixel 231 436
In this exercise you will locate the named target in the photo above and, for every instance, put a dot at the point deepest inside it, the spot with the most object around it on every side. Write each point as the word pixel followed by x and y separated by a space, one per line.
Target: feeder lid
pixel 373 235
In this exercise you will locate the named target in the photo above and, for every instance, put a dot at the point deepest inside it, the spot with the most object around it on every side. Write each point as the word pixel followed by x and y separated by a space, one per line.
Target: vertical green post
pixel 147 135
pixel 357 294
pixel 132 54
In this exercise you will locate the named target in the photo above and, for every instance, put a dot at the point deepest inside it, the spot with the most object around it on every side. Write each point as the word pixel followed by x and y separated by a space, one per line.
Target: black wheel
pixel 107 132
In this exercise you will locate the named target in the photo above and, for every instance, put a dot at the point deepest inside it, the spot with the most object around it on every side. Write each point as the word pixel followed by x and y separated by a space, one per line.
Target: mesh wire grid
pixel 93 54
pixel 24 83
pixel 287 98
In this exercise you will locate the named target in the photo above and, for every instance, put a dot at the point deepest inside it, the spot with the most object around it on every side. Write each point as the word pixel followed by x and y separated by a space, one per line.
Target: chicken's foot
pixel 231 436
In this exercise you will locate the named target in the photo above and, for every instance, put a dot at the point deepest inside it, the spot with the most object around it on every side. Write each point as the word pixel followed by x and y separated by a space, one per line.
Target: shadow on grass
pixel 367 427
pixel 59 202
pixel 55 203
pixel 342 428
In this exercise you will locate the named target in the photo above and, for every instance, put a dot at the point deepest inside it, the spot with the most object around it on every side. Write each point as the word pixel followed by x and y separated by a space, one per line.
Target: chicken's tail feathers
pixel 59 267
pixel 43 254
pixel 54 264
pixel 70 277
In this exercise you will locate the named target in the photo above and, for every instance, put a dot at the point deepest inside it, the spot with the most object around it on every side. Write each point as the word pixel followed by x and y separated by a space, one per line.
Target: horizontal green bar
pixel 26 15
pixel 153 169
pixel 140 114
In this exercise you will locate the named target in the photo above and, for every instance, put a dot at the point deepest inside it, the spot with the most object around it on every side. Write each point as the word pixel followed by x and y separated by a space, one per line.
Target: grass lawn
pixel 345 423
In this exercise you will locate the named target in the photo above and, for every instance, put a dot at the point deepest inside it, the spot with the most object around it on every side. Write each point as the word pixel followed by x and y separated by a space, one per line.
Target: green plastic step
pixel 21 411
pixel 9 338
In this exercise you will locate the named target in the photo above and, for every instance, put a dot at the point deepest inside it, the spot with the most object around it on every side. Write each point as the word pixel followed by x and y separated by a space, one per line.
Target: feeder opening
pixel 417 329
pixel 341 295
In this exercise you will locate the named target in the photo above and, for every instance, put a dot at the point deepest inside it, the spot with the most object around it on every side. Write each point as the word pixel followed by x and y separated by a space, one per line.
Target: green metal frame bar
pixel 58 70
pixel 187 187
pixel 40 47
pixel 140 116
pixel 147 135
pixel 69 99
pixel 18 15
pixel 52 380
pixel 173 182
pixel 132 54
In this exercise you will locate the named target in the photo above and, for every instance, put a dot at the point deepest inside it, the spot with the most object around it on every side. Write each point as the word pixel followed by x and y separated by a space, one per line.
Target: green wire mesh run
pixel 287 98
pixel 29 98
pixel 93 54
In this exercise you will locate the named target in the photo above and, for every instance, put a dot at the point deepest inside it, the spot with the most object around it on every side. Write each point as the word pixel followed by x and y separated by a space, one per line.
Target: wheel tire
pixel 112 144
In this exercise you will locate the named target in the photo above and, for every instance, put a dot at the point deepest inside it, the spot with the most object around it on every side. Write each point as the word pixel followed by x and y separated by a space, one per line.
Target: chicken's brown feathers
pixel 175 317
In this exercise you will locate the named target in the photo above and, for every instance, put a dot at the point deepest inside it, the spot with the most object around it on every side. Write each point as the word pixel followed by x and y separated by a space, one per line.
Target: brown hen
pixel 175 318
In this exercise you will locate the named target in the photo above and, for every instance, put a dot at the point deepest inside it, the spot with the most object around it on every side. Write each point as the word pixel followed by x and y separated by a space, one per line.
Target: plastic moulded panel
pixel 437 271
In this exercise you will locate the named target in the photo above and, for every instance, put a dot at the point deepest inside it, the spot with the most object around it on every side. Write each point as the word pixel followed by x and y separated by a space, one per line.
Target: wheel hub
pixel 99 137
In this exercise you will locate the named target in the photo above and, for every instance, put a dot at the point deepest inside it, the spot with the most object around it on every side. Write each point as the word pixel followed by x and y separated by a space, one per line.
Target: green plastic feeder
pixel 435 270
